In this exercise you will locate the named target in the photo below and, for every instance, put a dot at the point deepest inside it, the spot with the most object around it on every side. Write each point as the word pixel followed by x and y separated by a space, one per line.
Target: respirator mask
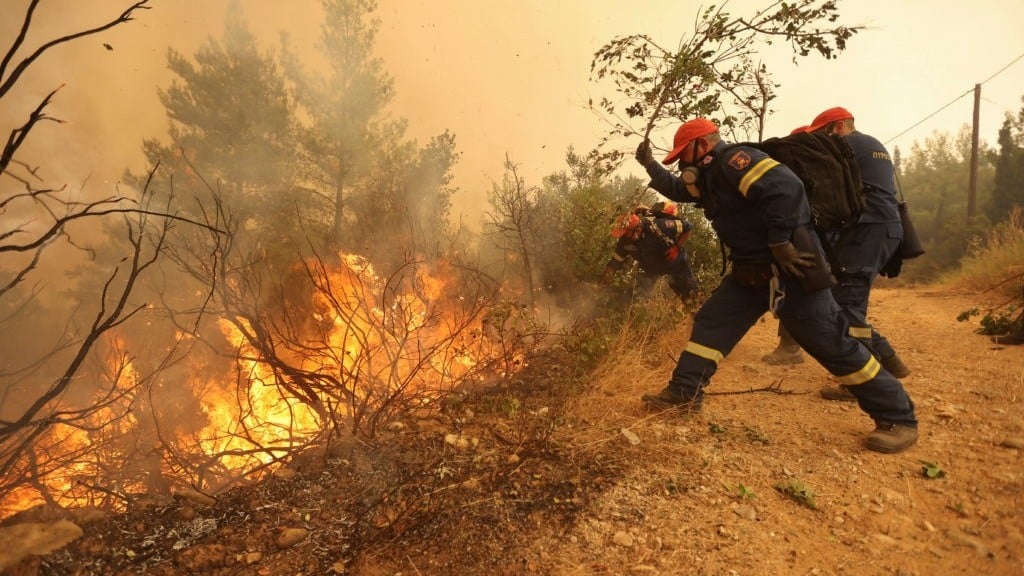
pixel 689 173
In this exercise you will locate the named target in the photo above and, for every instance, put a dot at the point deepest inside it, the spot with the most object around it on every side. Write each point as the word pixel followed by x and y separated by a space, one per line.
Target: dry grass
pixel 999 257
pixel 639 361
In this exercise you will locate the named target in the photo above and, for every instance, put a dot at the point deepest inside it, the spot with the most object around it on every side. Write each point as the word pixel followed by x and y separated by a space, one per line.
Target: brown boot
pixel 668 400
pixel 784 355
pixel 840 393
pixel 893 365
pixel 890 438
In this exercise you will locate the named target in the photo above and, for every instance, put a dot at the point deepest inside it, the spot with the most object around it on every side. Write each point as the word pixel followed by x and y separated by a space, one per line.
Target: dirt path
pixel 699 496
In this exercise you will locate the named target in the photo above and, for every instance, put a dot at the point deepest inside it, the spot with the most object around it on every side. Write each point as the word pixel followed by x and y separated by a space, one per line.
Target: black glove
pixel 892 267
pixel 790 260
pixel 643 153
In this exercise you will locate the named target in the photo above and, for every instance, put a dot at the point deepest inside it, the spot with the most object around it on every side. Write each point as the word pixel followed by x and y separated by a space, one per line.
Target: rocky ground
pixel 566 475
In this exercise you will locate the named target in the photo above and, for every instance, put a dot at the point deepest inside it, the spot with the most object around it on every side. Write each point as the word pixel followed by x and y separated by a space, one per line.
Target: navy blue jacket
pixel 759 201
pixel 879 176
pixel 652 249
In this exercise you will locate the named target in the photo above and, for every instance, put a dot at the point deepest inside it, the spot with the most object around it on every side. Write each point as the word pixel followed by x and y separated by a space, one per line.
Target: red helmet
pixel 626 224
pixel 688 132
pixel 829 116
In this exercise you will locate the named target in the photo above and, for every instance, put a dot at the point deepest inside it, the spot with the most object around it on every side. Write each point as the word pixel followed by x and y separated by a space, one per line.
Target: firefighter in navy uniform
pixel 760 211
pixel 864 249
pixel 654 237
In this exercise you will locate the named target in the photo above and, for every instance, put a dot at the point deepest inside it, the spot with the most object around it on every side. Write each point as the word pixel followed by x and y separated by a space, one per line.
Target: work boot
pixel 784 355
pixel 669 400
pixel 840 393
pixel 893 365
pixel 890 438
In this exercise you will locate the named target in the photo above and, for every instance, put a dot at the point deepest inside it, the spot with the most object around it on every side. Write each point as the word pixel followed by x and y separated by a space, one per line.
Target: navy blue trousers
pixel 861 252
pixel 678 275
pixel 815 321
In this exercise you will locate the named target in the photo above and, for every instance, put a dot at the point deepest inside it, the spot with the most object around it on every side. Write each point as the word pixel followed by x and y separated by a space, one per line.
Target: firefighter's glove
pixel 643 153
pixel 790 260
pixel 892 267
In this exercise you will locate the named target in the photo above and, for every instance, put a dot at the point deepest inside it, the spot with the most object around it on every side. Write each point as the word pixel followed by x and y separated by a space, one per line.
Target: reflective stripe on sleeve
pixel 755 173
pixel 869 371
pixel 704 352
pixel 860 332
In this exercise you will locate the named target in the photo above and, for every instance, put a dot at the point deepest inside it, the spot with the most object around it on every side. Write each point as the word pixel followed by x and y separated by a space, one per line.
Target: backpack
pixel 828 168
pixel 653 248
pixel 659 210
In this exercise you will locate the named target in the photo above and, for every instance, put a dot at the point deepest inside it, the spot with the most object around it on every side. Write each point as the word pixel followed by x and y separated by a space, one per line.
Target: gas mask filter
pixel 688 175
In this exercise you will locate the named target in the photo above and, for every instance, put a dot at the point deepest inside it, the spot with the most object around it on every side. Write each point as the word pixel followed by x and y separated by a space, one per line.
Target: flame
pixel 251 420
pixel 263 418
pixel 78 444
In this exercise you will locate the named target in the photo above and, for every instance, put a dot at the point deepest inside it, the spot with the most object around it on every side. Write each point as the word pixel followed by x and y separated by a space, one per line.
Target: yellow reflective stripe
pixel 869 371
pixel 704 352
pixel 755 173
pixel 861 332
pixel 618 257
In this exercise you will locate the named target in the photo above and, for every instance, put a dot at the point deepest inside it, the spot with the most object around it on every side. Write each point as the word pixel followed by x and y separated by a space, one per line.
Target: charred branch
pixel 18 135
pixel 9 79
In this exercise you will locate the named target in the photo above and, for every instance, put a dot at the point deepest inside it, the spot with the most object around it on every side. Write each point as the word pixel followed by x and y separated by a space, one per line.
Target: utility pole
pixel 972 187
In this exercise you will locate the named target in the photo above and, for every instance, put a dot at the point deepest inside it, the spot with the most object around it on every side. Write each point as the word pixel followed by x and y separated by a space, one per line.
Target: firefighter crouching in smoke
pixel 654 237
pixel 760 211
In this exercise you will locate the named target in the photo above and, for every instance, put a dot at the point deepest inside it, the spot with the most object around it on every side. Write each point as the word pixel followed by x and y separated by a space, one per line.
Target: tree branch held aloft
pixel 712 72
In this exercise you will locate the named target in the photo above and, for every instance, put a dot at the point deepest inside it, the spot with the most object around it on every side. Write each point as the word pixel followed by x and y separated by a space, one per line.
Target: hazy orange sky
pixel 512 76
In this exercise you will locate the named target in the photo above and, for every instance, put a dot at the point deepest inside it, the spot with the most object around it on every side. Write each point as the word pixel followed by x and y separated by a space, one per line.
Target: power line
pixel 1001 70
pixel 921 121
pixel 997 104
pixel 950 103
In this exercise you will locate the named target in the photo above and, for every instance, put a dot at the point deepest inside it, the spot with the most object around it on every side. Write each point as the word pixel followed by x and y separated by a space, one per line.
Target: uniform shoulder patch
pixel 740 160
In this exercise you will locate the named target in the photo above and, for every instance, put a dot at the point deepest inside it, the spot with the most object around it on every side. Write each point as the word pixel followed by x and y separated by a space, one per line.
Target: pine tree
pixel 231 118
pixel 347 124
pixel 376 193
pixel 1009 178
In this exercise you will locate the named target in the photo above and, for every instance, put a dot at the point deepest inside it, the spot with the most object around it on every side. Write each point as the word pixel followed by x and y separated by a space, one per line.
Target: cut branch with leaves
pixel 711 72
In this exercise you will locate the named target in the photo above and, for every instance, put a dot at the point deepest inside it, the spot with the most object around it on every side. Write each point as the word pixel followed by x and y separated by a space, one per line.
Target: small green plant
pixel 671 487
pixel 592 345
pixel 744 493
pixel 715 428
pixel 504 404
pixel 959 508
pixel 798 492
pixel 995 322
pixel 756 436
pixel 932 470
pixel 967 314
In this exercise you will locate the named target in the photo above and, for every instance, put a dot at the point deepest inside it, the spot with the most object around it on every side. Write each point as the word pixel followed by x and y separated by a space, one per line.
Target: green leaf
pixel 932 470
